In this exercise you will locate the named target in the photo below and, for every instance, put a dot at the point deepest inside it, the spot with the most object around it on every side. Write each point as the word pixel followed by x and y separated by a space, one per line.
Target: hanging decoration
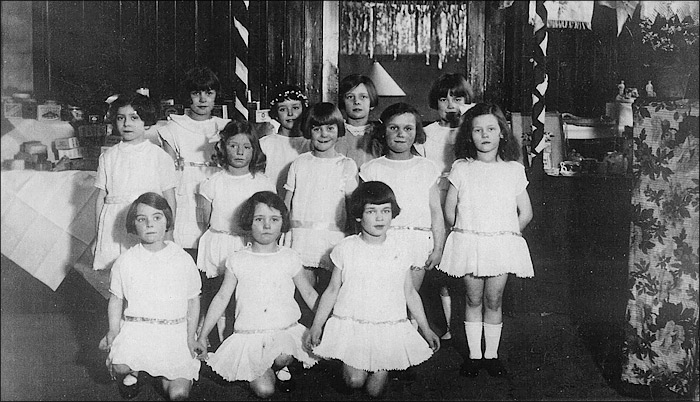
pixel 407 27
pixel 241 46
pixel 566 14
pixel 539 67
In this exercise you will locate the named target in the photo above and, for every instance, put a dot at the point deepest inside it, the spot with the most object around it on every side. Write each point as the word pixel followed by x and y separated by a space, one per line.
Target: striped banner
pixel 540 79
pixel 240 46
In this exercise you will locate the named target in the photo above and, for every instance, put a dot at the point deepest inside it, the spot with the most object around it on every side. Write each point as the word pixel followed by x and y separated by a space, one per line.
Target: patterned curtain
pixel 661 342
pixel 404 27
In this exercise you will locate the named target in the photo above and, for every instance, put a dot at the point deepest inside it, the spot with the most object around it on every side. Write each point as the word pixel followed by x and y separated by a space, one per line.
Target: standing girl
pixel 243 163
pixel 451 96
pixel 190 140
pixel 267 335
pixel 488 206
pixel 154 306
pixel 357 97
pixel 414 179
pixel 368 295
pixel 287 109
pixel 125 171
pixel 317 186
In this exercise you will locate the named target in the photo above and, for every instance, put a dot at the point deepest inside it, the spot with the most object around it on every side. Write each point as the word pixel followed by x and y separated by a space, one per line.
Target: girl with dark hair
pixel 267 335
pixel 133 166
pixel 189 139
pixel 487 207
pixel 361 318
pixel 153 306
pixel 222 195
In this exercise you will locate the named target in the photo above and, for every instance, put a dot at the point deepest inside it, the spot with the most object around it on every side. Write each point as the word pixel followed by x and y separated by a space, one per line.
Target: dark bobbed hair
pixel 153 200
pixel 353 80
pixel 455 83
pixel 258 160
pixel 323 113
pixel 374 193
pixel 143 105
pixel 272 200
pixel 200 78
pixel 395 110
pixel 508 148
pixel 288 92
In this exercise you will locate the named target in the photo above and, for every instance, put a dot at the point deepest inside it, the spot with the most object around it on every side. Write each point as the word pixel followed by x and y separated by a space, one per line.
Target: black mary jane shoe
pixel 129 391
pixel 494 367
pixel 470 367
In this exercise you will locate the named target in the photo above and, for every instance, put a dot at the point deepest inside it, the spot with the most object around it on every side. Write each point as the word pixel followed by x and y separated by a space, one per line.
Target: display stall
pixel 661 343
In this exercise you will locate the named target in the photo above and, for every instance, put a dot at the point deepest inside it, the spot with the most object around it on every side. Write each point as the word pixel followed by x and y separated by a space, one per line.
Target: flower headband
pixel 290 94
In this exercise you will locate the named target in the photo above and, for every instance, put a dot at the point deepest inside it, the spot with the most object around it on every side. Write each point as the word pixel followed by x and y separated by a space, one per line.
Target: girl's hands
pixel 432 339
pixel 198 348
pixel 433 259
pixel 312 337
pixel 106 342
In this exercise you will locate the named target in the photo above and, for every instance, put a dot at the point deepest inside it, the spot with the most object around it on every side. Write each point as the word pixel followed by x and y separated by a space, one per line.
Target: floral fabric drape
pixel 661 342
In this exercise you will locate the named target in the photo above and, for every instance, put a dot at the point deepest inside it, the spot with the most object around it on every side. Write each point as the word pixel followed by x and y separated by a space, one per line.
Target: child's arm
pixel 415 306
pixel 451 206
pixel 218 306
pixel 437 226
pixel 99 204
pixel 306 289
pixel 192 321
pixel 325 306
pixel 205 204
pixel 114 317
pixel 524 209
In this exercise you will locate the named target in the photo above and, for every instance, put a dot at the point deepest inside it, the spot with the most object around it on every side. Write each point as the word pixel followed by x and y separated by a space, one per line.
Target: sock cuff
pixel 473 324
pixel 487 325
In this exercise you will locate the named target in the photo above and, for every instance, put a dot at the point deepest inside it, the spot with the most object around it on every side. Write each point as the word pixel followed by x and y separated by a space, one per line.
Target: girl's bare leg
pixel 264 386
pixel 177 389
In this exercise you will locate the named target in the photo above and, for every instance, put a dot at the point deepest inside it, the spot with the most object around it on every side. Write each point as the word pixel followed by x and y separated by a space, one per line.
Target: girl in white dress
pixel 243 163
pixel 451 96
pixel 318 184
pixel 487 207
pixel 414 180
pixel 154 306
pixel 267 335
pixel 368 295
pixel 126 170
pixel 287 109
pixel 190 139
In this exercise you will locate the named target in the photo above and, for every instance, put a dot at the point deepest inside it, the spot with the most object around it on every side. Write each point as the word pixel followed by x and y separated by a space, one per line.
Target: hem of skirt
pixel 518 274
pixel 364 369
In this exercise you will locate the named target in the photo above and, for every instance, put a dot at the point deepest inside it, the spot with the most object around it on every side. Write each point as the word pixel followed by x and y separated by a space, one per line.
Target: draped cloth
pixel 565 14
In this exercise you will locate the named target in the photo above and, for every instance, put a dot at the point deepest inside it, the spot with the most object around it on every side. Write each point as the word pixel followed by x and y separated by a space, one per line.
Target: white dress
pixel 227 193
pixel 369 329
pixel 125 172
pixel 281 151
pixel 194 141
pixel 266 317
pixel 318 213
pixel 439 148
pixel 411 180
pixel 155 286
pixel 487 240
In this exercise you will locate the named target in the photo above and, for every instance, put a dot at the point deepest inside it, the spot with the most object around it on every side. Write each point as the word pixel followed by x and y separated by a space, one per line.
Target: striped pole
pixel 240 46
pixel 540 78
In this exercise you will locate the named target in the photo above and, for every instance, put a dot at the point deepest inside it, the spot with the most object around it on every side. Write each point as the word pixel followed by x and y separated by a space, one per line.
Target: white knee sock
pixel 447 309
pixel 220 326
pixel 473 332
pixel 492 337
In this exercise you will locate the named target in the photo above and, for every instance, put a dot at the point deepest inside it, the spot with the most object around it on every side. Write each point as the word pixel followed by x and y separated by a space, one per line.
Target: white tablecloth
pixel 48 221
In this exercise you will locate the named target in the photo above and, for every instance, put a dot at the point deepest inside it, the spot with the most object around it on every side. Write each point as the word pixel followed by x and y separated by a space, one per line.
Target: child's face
pixel 401 133
pixel 202 102
pixel 323 138
pixel 267 224
pixel 376 220
pixel 239 151
pixel 357 103
pixel 448 107
pixel 288 111
pixel 129 125
pixel 150 224
pixel 486 133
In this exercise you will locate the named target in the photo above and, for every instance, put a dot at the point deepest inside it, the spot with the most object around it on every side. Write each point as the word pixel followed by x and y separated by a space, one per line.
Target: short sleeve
pixel 115 278
pixel 168 175
pixel 295 264
pixel 194 281
pixel 207 188
pixel 455 177
pixel 521 181
pixel 350 175
pixel 101 178
pixel 366 171
pixel 338 255
pixel 291 183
